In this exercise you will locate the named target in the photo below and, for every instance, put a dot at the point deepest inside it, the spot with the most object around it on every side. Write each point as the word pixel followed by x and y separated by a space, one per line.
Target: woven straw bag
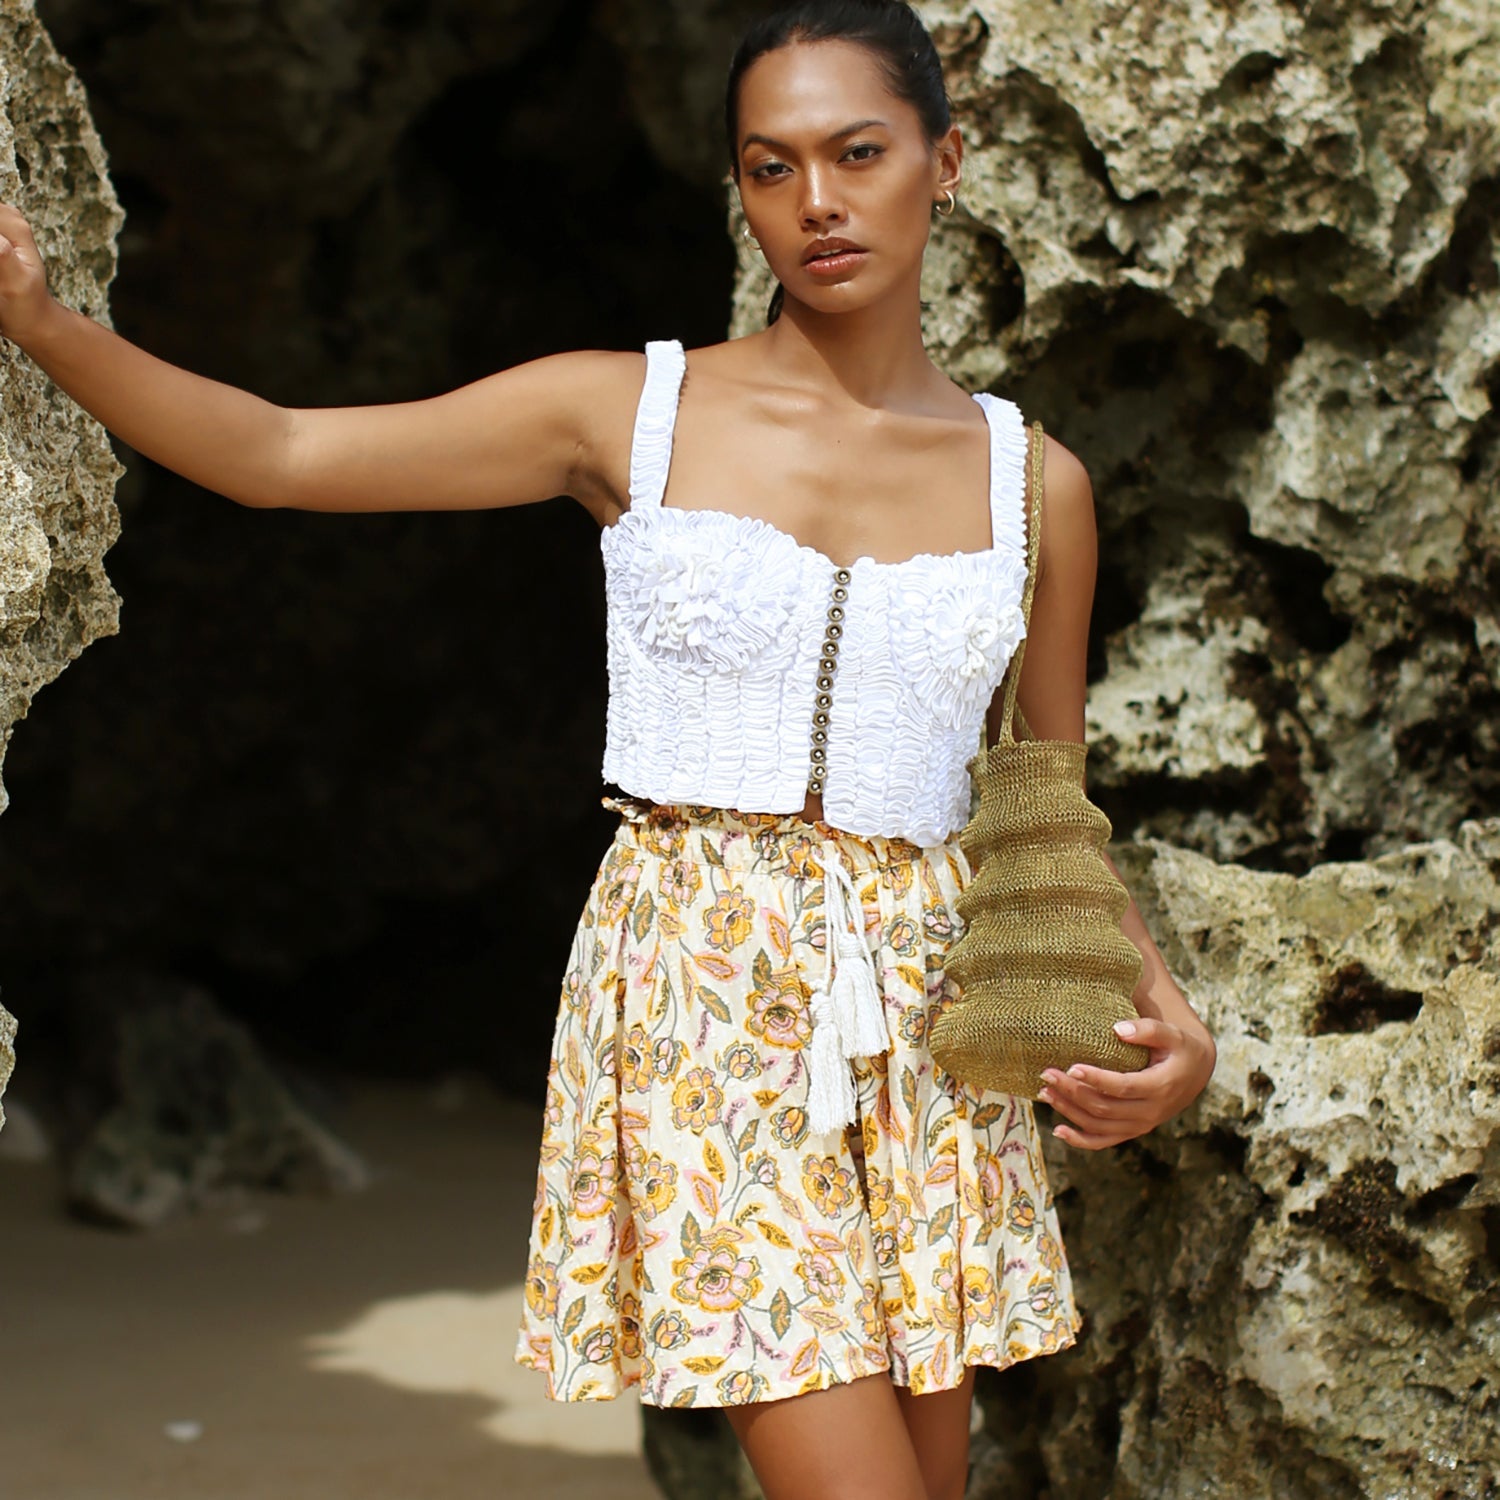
pixel 1042 965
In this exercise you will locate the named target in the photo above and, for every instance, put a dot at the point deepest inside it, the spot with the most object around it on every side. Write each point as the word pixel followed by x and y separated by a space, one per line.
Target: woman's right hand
pixel 24 298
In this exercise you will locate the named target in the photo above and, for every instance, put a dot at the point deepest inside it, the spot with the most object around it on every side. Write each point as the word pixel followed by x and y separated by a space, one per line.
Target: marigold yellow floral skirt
pixel 691 1234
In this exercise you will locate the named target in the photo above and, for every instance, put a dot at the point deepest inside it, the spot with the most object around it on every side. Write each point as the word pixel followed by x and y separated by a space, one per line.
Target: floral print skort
pixel 691 1234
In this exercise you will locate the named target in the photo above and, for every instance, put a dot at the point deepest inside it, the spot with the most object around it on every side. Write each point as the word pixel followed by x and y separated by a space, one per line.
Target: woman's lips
pixel 833 265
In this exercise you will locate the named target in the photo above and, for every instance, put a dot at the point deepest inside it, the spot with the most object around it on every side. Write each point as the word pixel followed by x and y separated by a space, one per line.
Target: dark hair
pixel 891 30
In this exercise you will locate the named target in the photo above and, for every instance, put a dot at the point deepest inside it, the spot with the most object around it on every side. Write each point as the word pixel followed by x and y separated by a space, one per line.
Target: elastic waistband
pixel 784 842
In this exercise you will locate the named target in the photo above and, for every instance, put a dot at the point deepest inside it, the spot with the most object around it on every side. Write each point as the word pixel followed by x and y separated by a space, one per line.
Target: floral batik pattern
pixel 691 1235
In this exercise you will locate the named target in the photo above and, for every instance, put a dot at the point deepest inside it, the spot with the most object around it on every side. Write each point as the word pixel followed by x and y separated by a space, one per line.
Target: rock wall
pixel 7 1053
pixel 57 471
pixel 1293 1289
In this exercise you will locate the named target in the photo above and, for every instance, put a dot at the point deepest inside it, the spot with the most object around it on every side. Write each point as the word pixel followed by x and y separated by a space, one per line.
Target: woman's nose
pixel 819 199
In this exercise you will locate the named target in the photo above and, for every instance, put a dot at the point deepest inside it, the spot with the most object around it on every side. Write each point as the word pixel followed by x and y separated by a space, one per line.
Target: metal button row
pixel 828 662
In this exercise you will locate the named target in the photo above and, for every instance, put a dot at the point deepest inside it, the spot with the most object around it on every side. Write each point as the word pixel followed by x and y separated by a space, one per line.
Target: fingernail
pixel 1125 1028
pixel 1075 1071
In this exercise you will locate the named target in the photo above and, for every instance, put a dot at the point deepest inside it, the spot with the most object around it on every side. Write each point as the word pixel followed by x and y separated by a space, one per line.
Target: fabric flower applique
pixel 952 628
pixel 714 597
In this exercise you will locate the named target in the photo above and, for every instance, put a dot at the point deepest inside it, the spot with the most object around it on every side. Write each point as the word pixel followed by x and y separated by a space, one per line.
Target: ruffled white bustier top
pixel 746 669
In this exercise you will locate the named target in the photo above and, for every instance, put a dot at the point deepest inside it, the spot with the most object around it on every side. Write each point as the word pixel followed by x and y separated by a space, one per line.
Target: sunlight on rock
pixel 456 1343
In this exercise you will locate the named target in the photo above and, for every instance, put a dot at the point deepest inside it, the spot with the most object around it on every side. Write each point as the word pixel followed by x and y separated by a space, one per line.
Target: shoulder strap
pixel 655 417
pixel 1007 472
pixel 1012 679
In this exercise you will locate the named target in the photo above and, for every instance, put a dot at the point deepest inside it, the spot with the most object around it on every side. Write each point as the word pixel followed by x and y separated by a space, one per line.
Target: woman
pixel 756 1189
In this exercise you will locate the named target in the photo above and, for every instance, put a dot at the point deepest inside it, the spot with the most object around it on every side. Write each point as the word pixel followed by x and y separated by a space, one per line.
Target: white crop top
pixel 746 669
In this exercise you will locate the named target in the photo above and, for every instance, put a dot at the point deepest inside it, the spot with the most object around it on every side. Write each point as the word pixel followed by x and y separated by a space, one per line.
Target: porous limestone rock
pixel 57 470
pixel 1293 1288
pixel 182 1107
pixel 7 1054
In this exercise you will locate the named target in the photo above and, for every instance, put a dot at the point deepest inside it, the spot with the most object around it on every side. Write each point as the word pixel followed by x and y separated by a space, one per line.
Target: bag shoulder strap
pixel 1012 679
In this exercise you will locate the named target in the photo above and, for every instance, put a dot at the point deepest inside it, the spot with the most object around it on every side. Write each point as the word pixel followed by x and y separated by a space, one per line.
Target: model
pixel 756 1188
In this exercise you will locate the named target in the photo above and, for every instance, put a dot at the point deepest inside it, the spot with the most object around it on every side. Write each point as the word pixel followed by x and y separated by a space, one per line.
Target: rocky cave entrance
pixel 337 777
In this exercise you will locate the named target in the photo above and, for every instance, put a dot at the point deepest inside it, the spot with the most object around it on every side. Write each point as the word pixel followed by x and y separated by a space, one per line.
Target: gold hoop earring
pixel 952 204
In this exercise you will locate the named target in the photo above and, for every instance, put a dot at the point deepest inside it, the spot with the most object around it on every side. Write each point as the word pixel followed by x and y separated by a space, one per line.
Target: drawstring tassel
pixel 830 1089
pixel 861 1011
pixel 862 1020
pixel 847 1011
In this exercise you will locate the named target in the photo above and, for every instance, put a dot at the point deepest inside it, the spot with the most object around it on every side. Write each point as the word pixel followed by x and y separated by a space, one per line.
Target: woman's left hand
pixel 1106 1107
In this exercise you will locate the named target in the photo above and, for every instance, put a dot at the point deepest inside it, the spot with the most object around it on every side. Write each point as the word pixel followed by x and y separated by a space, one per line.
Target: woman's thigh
pixel 847 1442
pixel 939 1427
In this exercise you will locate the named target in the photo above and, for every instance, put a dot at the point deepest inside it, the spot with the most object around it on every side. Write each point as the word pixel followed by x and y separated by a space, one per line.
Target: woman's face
pixel 805 174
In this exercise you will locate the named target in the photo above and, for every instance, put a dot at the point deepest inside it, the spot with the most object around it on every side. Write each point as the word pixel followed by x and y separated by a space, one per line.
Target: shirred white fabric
pixel 715 627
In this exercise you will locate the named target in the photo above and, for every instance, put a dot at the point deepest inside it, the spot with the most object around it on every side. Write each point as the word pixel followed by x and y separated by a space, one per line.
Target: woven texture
pixel 1043 967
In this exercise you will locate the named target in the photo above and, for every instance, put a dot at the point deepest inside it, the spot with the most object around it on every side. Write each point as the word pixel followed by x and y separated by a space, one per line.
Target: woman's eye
pixel 772 169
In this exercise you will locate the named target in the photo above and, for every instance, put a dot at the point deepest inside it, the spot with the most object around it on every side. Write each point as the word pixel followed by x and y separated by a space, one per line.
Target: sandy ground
pixel 284 1348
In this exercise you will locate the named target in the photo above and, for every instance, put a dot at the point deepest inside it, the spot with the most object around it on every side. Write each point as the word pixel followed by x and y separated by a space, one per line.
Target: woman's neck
pixel 874 356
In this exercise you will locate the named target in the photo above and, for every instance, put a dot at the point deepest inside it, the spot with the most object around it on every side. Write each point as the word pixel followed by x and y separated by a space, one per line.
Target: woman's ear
pixel 950 157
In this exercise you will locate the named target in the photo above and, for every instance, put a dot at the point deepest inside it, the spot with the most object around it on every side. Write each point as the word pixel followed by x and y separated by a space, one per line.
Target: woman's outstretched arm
pixel 521 435
pixel 1102 1107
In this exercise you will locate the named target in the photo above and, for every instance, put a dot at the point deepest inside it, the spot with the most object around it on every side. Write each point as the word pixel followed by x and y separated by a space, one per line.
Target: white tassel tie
pixel 847 1011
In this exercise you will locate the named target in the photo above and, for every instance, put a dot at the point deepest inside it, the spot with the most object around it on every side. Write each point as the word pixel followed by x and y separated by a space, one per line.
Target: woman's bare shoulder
pixel 1064 471
pixel 604 379
pixel 1068 537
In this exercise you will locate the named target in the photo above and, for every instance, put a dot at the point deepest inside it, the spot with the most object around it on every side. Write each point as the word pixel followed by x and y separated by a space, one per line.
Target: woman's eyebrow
pixel 766 140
